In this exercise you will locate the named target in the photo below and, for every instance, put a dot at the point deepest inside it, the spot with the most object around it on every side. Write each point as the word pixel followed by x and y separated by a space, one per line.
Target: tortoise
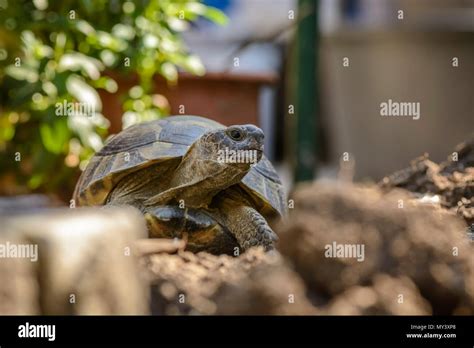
pixel 185 175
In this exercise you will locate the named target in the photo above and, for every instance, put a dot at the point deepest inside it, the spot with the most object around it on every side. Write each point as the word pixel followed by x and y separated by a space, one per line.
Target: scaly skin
pixel 245 223
pixel 249 227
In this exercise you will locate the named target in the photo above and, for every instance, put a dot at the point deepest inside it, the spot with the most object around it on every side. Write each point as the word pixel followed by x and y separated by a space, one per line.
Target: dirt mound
pixel 408 246
pixel 186 283
pixel 452 180
pixel 253 283
pixel 273 289
pixel 379 299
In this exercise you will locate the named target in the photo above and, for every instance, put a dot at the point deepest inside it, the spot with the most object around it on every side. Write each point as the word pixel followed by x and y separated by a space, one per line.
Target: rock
pixel 85 263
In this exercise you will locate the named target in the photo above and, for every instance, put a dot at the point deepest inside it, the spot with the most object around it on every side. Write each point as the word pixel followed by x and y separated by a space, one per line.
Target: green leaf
pixel 78 61
pixel 151 41
pixel 84 93
pixel 107 40
pixel 195 8
pixel 85 28
pixel 108 57
pixel 178 24
pixel 216 16
pixel 6 133
pixel 194 65
pixel 54 136
pixel 124 32
pixel 35 181
pixel 169 71
pixel 22 73
pixel 84 128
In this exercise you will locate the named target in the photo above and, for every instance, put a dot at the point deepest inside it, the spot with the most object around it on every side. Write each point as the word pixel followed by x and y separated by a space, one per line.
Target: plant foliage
pixel 55 53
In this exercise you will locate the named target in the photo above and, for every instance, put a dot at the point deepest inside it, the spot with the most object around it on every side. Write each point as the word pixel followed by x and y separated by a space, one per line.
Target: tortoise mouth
pixel 258 150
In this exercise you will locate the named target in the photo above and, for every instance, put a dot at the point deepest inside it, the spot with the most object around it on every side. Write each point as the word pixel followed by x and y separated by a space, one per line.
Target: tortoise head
pixel 218 159
pixel 238 146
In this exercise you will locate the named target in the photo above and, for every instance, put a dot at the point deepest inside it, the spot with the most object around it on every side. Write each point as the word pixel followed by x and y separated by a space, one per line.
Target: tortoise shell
pixel 152 142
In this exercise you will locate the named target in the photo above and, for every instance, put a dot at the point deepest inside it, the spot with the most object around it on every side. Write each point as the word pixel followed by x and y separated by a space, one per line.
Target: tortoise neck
pixel 202 176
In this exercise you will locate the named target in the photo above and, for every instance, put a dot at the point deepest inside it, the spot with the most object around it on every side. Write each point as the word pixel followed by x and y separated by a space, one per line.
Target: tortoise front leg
pixel 247 225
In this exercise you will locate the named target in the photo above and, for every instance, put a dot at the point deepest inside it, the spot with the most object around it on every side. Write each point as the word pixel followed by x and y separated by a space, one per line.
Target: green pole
pixel 306 91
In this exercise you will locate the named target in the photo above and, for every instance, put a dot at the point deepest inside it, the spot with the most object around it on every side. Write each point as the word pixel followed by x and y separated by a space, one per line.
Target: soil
pixel 187 283
pixel 413 250
pixel 452 181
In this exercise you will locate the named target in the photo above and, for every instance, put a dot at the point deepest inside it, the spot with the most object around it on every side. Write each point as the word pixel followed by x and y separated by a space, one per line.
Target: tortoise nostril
pixel 258 135
pixel 255 132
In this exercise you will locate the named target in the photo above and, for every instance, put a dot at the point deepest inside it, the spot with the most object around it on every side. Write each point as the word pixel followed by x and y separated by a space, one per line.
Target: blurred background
pixel 311 74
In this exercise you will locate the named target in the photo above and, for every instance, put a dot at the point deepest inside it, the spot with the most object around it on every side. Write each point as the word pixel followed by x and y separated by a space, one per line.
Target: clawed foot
pixel 262 234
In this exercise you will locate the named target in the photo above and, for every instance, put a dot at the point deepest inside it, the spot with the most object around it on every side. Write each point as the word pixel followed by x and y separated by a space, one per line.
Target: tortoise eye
pixel 236 134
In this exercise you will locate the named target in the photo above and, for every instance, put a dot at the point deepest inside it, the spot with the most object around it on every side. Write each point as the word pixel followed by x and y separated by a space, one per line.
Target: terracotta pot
pixel 224 97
